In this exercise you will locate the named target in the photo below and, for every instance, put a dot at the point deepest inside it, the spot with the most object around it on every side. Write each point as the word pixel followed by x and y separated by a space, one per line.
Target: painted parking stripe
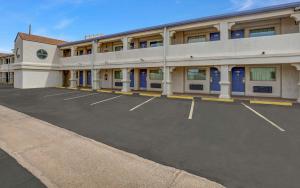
pixel 58 94
pixel 81 96
pixel 109 99
pixel 142 104
pixel 192 109
pixel 263 117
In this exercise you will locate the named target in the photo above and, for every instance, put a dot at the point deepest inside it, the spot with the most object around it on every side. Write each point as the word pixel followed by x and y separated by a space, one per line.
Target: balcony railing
pixel 276 44
pixel 130 55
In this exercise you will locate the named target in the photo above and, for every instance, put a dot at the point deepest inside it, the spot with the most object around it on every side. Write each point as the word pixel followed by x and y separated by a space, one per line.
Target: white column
pixel 73 80
pixel 299 88
pixel 126 80
pixel 96 79
pixel 125 43
pixel 297 18
pixel 136 79
pixel 73 49
pixel 10 77
pixel 224 28
pixel 225 82
pixel 84 78
pixel 167 89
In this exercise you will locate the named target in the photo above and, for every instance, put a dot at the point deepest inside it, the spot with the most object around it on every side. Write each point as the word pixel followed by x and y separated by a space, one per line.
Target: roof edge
pixel 190 21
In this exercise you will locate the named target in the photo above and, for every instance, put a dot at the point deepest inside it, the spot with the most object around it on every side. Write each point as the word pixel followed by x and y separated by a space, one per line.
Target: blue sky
pixel 73 19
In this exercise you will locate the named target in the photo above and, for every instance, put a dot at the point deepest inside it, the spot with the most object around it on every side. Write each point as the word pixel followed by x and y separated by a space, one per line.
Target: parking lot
pixel 236 144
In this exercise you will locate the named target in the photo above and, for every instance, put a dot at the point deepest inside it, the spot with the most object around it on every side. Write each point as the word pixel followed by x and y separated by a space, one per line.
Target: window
pixel 156 74
pixel 67 53
pixel 118 75
pixel 80 52
pixel 237 34
pixel 196 74
pixel 131 45
pixel 156 43
pixel 215 36
pixel 263 74
pixel 18 52
pixel 42 54
pixel 143 44
pixel 199 38
pixel 118 48
pixel 89 51
pixel 262 32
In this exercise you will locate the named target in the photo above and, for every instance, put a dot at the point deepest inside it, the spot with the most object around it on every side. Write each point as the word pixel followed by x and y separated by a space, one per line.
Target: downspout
pixel 165 61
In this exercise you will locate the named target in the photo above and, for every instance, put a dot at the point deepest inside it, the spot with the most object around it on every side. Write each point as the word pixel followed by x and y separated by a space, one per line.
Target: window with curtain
pixel 199 38
pixel 156 43
pixel 156 74
pixel 196 74
pixel 263 74
pixel 262 32
pixel 118 75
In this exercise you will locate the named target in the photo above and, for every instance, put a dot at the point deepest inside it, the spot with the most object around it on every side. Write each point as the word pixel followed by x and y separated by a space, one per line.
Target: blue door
pixel 89 79
pixel 132 78
pixel 81 78
pixel 215 79
pixel 238 79
pixel 143 78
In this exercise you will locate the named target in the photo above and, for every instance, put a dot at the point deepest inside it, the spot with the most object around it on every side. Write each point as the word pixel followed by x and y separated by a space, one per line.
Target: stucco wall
pixel 37 79
pixel 290 80
pixel 19 45
pixel 178 80
pixel 29 55
pixel 205 83
pixel 106 84
pixel 276 85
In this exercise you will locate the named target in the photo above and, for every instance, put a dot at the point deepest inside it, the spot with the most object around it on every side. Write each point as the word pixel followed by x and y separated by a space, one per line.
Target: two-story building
pixel 6 70
pixel 248 53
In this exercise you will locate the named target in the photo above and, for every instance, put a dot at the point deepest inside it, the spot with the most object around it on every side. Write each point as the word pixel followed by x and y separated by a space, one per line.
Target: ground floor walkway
pixel 60 158
pixel 225 81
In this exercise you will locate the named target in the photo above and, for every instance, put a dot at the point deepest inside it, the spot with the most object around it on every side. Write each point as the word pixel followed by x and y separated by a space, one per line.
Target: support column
pixel 299 88
pixel 126 80
pixel 225 82
pixel 84 78
pixel 297 19
pixel 167 89
pixel 125 43
pixel 224 28
pixel 297 66
pixel 136 79
pixel 96 79
pixel 73 80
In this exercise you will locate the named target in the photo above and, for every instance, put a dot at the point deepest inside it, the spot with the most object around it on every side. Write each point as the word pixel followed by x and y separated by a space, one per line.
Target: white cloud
pixel 241 5
pixel 64 23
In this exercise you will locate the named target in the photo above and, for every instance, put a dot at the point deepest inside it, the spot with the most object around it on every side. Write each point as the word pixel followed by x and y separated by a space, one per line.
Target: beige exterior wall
pixel 106 78
pixel 276 85
pixel 178 79
pixel 290 79
pixel 205 83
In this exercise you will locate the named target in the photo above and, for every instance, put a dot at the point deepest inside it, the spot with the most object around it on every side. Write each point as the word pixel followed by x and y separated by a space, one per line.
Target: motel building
pixel 6 71
pixel 252 53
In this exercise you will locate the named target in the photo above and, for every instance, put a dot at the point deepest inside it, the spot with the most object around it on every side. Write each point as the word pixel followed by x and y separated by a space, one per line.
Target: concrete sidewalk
pixel 60 158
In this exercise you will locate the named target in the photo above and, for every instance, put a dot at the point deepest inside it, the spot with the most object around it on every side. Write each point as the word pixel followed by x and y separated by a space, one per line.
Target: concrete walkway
pixel 60 158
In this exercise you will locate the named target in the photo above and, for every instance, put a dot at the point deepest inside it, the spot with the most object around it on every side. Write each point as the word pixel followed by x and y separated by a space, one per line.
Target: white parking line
pixel 192 109
pixel 109 99
pixel 141 104
pixel 57 94
pixel 81 96
pixel 263 117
